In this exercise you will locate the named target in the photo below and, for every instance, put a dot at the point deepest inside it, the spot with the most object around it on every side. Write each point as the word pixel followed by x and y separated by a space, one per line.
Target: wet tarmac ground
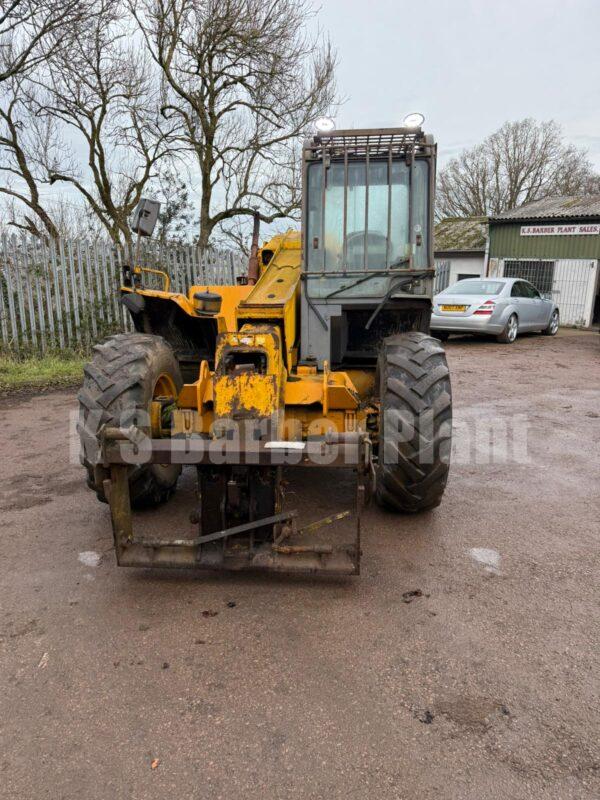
pixel 463 663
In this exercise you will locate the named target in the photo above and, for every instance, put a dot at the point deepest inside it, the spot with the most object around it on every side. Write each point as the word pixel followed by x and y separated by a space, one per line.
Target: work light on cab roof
pixel 324 125
pixel 414 119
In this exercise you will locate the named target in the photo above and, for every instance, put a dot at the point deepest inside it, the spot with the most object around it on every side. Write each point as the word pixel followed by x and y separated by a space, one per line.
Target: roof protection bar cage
pixel 362 145
pixel 374 141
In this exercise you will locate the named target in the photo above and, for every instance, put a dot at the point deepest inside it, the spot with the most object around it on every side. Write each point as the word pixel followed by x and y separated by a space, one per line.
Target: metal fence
pixel 442 276
pixel 63 294
pixel 539 273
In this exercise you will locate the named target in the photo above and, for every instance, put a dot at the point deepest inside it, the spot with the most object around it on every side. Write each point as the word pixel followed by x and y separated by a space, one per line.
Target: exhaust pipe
pixel 253 260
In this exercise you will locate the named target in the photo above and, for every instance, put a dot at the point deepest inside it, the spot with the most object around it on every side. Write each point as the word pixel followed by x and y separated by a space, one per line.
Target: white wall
pixel 465 265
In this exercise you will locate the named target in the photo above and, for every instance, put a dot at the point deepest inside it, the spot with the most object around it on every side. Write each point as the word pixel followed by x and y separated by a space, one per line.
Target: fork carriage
pixel 242 546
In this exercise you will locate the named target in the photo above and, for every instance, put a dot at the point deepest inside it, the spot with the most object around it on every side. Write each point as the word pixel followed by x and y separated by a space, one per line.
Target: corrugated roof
pixel 587 205
pixel 461 234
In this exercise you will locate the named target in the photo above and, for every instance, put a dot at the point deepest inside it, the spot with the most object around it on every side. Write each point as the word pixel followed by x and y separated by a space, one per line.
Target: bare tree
pixel 523 161
pixel 31 30
pixel 28 143
pixel 591 185
pixel 177 212
pixel 74 221
pixel 244 80
pixel 103 90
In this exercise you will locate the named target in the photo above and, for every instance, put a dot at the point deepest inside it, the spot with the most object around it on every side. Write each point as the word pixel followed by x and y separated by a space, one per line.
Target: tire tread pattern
pixel 118 381
pixel 414 385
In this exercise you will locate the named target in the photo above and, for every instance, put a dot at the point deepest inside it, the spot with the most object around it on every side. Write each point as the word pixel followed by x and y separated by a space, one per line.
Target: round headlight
pixel 414 120
pixel 324 125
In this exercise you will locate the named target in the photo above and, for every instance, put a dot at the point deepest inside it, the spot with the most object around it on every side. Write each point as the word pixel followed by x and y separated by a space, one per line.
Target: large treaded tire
pixel 117 389
pixel 416 398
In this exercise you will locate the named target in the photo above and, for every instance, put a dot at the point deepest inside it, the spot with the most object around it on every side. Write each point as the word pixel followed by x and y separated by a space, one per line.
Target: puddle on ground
pixel 90 558
pixel 489 559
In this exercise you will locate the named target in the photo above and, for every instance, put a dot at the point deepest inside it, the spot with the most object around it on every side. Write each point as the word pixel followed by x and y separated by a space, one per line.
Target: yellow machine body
pixel 239 384
pixel 260 323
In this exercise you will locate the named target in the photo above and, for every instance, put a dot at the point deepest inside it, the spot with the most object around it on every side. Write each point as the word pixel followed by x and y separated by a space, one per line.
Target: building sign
pixel 560 230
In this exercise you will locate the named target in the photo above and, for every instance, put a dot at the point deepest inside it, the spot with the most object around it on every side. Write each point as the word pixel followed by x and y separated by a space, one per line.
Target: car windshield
pixel 475 287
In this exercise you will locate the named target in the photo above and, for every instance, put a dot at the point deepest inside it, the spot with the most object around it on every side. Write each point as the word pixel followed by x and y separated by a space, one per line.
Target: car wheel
pixel 441 335
pixel 509 334
pixel 552 328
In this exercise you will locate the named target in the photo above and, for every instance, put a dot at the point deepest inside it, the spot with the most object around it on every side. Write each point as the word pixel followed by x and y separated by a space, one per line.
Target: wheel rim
pixel 554 322
pixel 164 387
pixel 512 329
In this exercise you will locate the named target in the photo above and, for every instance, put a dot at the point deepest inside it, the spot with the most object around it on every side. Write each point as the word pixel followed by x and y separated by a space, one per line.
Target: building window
pixel 540 273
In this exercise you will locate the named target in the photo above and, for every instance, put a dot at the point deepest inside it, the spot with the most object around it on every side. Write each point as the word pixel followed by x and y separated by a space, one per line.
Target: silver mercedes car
pixel 501 307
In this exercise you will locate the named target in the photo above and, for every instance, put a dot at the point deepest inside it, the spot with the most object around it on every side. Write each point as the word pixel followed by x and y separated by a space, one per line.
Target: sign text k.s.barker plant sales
pixel 560 230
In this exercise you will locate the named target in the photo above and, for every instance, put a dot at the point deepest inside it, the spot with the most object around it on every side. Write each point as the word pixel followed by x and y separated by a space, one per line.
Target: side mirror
pixel 145 217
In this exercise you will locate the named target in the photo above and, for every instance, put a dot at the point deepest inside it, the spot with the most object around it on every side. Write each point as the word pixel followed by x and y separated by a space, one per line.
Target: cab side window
pixel 517 289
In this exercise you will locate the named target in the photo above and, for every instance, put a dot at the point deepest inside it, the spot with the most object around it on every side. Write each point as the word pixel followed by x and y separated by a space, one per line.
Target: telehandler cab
pixel 320 357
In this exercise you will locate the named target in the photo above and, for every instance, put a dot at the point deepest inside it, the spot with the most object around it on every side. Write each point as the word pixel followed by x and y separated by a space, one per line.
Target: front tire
pixel 126 372
pixel 415 423
pixel 509 334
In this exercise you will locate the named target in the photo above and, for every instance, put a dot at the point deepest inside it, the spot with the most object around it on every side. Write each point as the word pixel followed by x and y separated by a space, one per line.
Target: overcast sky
pixel 468 65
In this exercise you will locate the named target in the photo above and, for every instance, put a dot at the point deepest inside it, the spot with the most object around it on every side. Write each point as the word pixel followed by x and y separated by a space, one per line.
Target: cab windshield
pixel 363 223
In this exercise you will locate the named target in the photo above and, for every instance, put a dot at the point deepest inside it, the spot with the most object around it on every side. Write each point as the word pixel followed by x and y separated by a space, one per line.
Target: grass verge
pixel 33 374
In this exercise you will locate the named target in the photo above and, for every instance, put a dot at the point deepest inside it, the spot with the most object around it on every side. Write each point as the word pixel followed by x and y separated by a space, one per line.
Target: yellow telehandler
pixel 319 357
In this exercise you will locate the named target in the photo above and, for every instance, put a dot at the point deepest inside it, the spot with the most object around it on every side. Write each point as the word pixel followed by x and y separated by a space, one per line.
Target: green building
pixel 555 244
